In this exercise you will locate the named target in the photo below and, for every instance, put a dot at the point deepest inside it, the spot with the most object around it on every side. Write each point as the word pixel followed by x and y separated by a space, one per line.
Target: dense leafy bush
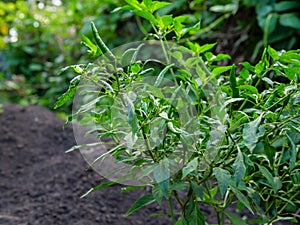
pixel 238 142
pixel 36 38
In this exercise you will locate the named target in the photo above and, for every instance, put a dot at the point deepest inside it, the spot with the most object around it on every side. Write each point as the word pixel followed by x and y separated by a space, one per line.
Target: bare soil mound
pixel 40 184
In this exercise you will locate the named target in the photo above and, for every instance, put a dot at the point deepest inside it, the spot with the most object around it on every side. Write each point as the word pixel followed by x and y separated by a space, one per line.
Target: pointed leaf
pixel 223 178
pixel 158 5
pixel 181 221
pixel 161 75
pixel 250 133
pixel 239 167
pixel 235 220
pixel 220 69
pixel 193 214
pixel 87 42
pixel 242 198
pixel 273 53
pixel 273 181
pixel 103 185
pixel 162 176
pixel 157 193
pixel 249 88
pixel 197 190
pixel 190 167
pixel 140 203
pixel 206 47
pixel 65 97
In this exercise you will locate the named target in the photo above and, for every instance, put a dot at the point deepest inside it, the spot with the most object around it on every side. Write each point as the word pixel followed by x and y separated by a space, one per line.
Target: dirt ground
pixel 41 184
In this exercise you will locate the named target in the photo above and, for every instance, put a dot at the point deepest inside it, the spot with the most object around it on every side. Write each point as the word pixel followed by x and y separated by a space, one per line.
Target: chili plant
pixel 191 130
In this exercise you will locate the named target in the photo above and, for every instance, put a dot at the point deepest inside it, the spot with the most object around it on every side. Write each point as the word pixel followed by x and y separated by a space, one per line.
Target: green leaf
pixel 259 67
pixel 274 182
pixel 135 68
pixel 165 21
pixel 182 221
pixel 146 15
pixel 197 190
pixel 148 3
pixel 268 24
pixel 277 184
pixel 158 5
pixel 135 4
pixel 249 88
pixel 268 81
pixel 290 20
pixel 270 152
pixel 235 220
pixel 190 167
pixel 135 54
pixel 229 101
pixel 250 133
pixel 223 178
pixel 263 9
pixel 239 167
pixel 157 193
pixel 161 75
pixel 178 186
pixel 266 174
pixel 69 93
pixel 248 66
pixel 100 186
pixel 193 214
pixel 220 69
pixel 140 203
pixel 162 176
pixel 132 119
pixel 291 58
pixel 93 49
pixel 206 47
pixel 242 198
pixel 273 53
pixel 286 5
pixel 220 57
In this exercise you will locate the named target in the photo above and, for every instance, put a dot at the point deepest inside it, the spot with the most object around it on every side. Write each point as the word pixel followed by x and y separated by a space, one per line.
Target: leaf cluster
pixel 238 143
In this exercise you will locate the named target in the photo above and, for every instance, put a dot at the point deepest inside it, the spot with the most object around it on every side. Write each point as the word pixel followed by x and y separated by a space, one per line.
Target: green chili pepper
pixel 100 42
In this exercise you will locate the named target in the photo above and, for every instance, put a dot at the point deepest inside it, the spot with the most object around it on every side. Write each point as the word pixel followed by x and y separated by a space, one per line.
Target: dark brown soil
pixel 41 184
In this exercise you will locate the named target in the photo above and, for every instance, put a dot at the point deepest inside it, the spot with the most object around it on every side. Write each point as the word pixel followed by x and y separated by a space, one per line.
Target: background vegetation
pixel 38 37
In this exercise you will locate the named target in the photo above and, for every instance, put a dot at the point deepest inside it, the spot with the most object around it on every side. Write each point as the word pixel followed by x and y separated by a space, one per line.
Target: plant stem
pixel 171 210
pixel 178 199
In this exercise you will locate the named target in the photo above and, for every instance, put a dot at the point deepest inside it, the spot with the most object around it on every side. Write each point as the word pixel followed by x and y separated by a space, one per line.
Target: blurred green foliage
pixel 37 37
